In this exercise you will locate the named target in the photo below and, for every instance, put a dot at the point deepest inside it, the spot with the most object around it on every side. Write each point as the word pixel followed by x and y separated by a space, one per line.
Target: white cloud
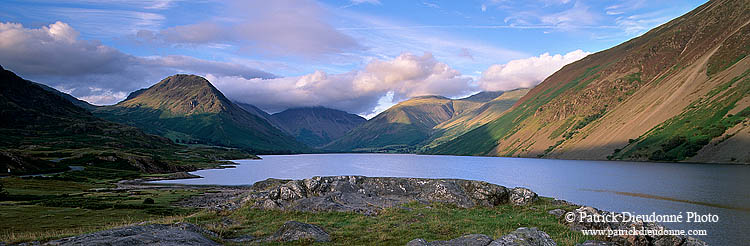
pixel 103 96
pixel 525 73
pixel 357 91
pixel 100 74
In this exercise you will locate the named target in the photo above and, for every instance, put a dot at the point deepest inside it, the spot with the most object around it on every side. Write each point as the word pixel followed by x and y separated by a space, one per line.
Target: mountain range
pixel 409 125
pixel 189 109
pixel 678 93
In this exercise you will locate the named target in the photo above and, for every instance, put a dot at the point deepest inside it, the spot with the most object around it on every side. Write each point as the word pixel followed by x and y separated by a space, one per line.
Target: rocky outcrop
pixel 520 237
pixel 293 231
pixel 368 195
pixel 466 240
pixel 524 237
pixel 579 223
pixel 155 234
pixel 522 196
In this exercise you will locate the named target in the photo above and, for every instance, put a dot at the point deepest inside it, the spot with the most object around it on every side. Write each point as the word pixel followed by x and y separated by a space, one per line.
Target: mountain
pixel 39 125
pixel 403 126
pixel 316 126
pixel 256 111
pixel 72 99
pixel 135 94
pixel 490 110
pixel 680 92
pixel 483 96
pixel 188 109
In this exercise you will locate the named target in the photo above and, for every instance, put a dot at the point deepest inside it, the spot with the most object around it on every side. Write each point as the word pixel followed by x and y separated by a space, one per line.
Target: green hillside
pixel 403 127
pixel 188 109
pixel 43 131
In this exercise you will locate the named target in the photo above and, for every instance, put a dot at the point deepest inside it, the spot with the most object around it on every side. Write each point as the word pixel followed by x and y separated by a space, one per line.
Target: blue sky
pixel 359 55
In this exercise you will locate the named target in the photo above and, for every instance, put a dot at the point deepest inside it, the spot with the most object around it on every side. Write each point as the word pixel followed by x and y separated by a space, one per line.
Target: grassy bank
pixel 47 208
pixel 39 209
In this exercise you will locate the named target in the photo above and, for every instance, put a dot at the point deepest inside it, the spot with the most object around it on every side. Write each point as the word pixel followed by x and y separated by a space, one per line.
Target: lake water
pixel 636 187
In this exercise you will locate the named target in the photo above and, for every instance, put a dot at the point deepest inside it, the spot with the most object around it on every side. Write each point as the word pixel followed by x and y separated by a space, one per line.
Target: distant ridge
pixel 316 126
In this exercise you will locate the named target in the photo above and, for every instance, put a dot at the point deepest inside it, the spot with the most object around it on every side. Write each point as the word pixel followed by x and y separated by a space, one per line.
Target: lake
pixel 636 187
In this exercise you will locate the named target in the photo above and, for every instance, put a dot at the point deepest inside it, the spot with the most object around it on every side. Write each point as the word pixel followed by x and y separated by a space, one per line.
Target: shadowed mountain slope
pixel 469 120
pixel 316 126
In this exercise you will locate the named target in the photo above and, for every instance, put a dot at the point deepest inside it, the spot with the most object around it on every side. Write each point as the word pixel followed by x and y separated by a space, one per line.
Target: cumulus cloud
pixel 407 75
pixel 100 74
pixel 280 27
pixel 525 73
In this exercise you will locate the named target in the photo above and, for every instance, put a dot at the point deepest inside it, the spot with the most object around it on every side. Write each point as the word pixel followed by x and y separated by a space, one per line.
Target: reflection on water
pixel 637 187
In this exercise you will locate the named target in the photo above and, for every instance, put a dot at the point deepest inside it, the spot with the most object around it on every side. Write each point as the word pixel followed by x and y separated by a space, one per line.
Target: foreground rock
pixel 369 195
pixel 293 231
pixel 467 240
pixel 525 237
pixel 155 234
pixel 520 237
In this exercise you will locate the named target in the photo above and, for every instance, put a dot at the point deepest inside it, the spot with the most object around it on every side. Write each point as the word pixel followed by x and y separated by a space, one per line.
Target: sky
pixel 360 56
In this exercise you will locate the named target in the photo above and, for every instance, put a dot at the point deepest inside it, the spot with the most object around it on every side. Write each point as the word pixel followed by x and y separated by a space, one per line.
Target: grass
pixel 48 208
pixel 397 226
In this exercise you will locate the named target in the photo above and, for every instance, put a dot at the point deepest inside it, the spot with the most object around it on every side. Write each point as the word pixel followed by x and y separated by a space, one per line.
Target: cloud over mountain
pixel 54 54
pixel 407 75
pixel 525 73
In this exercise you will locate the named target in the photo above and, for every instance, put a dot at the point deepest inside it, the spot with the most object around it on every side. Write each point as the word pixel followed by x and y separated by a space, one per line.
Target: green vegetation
pixel 703 120
pixel 397 226
pixel 569 134
pixel 41 208
pixel 563 128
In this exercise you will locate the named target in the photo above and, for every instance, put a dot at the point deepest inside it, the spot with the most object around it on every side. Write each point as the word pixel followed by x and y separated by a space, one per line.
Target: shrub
pixel 3 193
pixel 148 201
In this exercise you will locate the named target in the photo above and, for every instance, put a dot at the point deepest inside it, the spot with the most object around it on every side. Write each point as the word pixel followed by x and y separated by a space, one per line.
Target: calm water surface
pixel 637 187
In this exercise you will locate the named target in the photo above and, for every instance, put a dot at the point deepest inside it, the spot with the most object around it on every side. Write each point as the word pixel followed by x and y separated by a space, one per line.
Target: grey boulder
pixel 293 231
pixel 467 240
pixel 154 234
pixel 522 196
pixel 525 237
